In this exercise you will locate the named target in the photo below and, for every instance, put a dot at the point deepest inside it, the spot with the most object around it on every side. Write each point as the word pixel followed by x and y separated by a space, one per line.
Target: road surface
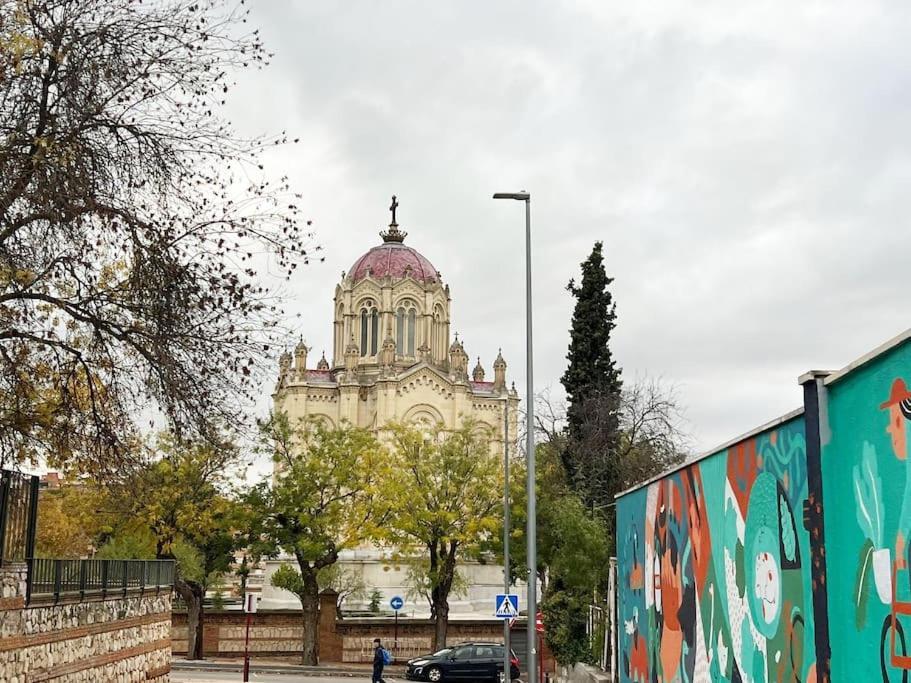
pixel 228 677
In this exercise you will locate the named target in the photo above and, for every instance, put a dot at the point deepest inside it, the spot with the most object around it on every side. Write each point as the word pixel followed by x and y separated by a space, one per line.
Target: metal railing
pixel 18 514
pixel 58 579
pixel 598 635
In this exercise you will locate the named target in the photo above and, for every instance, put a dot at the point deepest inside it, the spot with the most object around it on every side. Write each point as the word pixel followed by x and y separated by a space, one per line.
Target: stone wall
pixel 115 640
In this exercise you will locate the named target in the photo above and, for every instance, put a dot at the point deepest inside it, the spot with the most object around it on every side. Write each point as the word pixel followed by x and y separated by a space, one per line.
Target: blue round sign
pixel 396 603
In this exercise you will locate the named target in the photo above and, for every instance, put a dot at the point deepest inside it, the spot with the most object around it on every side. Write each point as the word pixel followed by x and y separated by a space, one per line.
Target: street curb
pixel 222 667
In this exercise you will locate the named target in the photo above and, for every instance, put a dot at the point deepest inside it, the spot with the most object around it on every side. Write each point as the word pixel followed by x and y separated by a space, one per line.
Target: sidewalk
pixel 274 666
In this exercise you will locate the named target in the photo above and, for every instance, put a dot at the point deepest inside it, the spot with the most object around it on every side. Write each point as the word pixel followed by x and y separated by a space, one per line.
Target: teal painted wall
pixel 714 568
pixel 867 490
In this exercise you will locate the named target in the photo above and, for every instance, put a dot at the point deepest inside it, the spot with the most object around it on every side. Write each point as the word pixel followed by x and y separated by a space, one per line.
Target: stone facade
pixel 392 360
pixel 116 640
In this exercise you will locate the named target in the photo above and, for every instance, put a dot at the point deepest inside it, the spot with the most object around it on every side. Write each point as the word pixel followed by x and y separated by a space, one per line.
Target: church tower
pixel 393 358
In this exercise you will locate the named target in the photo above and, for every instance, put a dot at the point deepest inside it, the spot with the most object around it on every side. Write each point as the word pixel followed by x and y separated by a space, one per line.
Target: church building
pixel 394 360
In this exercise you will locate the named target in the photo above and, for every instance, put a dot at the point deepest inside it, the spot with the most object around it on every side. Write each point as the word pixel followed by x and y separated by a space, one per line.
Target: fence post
pixel 126 576
pixel 4 511
pixel 142 583
pixel 29 577
pixel 58 566
pixel 104 578
pixel 32 526
pixel 82 567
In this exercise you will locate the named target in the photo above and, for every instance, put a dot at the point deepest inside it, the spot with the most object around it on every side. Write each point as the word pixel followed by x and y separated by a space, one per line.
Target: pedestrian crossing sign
pixel 506 606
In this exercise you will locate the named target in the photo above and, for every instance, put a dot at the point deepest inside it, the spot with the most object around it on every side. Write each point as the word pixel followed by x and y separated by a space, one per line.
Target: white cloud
pixel 744 165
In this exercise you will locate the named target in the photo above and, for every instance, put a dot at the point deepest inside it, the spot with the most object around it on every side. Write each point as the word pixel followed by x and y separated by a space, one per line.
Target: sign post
pixel 250 609
pixel 506 607
pixel 396 603
pixel 539 627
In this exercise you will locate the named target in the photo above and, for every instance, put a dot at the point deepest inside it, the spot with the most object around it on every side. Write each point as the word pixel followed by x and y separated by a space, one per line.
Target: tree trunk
pixel 309 598
pixel 441 624
pixel 444 570
pixel 310 611
pixel 192 594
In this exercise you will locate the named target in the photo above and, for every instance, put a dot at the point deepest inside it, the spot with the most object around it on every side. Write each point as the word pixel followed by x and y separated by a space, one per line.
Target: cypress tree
pixel 592 382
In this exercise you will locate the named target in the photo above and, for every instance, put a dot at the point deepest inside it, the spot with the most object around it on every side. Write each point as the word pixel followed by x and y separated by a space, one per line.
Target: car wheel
pixel 434 674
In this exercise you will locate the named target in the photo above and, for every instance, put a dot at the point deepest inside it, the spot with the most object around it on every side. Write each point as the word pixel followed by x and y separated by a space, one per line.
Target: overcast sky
pixel 747 166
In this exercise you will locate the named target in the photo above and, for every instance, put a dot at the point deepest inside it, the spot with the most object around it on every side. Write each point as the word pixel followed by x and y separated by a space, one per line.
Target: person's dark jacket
pixel 378 662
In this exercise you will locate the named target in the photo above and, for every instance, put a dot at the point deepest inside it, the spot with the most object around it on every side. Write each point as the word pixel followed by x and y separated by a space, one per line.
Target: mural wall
pixel 714 568
pixel 867 488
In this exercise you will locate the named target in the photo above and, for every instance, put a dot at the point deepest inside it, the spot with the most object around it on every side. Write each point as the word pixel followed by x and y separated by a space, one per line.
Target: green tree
pixel 573 550
pixel 445 494
pixel 592 376
pixel 181 499
pixel 324 497
pixel 573 542
pixel 134 542
pixel 375 598
pixel 131 220
pixel 565 614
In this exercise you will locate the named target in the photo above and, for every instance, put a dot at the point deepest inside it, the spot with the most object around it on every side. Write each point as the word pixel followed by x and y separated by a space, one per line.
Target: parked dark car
pixel 464 662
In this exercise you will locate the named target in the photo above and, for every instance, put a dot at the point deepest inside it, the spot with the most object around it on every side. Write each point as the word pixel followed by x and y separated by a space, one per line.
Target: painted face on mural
pixel 899 407
pixel 768 585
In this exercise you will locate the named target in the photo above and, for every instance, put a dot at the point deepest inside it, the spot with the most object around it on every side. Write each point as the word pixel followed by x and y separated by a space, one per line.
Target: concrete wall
pixel 390 578
pixel 118 640
pixel 714 579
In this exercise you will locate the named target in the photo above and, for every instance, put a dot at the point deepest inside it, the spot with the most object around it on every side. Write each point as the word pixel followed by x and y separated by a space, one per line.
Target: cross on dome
pixel 393 234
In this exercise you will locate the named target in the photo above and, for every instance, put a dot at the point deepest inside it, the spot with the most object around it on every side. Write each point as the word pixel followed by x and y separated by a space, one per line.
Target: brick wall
pixel 277 633
pixel 117 640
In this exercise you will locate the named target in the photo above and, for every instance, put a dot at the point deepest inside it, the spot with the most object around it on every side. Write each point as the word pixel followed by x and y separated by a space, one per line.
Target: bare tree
pixel 131 220
pixel 654 433
pixel 653 437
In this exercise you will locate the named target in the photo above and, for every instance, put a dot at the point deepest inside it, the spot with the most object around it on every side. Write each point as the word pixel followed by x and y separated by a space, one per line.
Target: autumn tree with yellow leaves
pixel 181 502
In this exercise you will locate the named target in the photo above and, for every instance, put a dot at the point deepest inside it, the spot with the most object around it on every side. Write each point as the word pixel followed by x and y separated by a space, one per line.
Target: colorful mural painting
pixel 717 577
pixel 867 470
pixel 714 568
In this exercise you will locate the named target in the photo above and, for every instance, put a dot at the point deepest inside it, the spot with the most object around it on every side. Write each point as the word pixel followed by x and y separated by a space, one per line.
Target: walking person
pixel 379 661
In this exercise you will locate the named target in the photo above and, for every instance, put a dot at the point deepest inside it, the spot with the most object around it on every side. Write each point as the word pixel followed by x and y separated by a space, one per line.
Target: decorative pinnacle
pixel 393 234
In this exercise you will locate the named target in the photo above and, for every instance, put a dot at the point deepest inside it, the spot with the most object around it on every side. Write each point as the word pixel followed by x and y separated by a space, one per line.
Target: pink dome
pixel 396 260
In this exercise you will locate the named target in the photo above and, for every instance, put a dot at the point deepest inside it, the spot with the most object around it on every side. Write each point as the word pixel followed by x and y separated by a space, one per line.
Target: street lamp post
pixel 531 528
pixel 507 659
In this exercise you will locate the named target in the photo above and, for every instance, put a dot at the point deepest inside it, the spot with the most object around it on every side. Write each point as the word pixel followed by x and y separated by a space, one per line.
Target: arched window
pixel 405 328
pixel 439 343
pixel 400 332
pixel 374 331
pixel 338 347
pixel 370 323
